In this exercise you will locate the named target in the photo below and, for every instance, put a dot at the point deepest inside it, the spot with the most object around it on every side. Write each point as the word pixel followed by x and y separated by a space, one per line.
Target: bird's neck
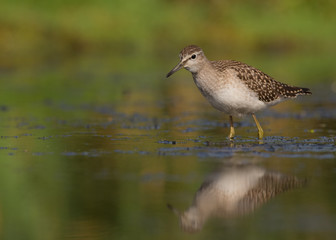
pixel 205 78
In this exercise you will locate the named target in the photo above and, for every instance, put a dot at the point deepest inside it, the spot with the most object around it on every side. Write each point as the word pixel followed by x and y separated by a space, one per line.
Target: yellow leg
pixel 260 130
pixel 232 131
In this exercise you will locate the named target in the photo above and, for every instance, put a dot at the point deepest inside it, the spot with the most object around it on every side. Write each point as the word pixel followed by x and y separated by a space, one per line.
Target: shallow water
pixel 107 170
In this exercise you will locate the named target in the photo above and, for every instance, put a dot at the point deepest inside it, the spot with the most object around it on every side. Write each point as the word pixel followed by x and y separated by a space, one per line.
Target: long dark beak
pixel 174 210
pixel 175 69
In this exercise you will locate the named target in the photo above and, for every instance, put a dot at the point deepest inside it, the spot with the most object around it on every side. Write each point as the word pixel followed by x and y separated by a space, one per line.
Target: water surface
pixel 80 165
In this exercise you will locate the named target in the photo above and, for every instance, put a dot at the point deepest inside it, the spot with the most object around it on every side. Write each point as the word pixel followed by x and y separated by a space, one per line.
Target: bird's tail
pixel 292 92
pixel 304 91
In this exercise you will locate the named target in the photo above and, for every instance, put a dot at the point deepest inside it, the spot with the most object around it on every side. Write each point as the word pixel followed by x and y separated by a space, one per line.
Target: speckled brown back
pixel 268 187
pixel 265 86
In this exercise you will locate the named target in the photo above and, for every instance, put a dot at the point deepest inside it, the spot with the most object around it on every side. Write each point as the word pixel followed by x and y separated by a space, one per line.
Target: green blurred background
pixel 58 45
pixel 59 58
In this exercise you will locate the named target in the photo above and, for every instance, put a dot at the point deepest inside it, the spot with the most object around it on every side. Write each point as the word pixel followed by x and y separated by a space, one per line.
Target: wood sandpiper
pixel 233 87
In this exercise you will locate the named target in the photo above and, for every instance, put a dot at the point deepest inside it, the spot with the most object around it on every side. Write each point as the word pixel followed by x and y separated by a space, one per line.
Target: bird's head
pixel 191 58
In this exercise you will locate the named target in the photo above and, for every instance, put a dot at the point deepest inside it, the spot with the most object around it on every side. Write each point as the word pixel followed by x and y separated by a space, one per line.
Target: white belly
pixel 235 98
pixel 230 95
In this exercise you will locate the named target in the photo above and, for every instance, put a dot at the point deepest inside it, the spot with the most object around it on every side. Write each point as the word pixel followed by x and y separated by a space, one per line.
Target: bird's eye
pixel 193 56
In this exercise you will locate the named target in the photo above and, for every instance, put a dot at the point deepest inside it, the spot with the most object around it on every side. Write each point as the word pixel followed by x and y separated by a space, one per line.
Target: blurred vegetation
pixel 142 35
pixel 99 50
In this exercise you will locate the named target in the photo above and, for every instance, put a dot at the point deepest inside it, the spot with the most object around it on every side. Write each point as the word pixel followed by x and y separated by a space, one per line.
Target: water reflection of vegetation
pixel 95 169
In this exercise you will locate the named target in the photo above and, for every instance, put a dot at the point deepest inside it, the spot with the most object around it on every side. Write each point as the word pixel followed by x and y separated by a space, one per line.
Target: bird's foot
pixel 232 133
pixel 260 134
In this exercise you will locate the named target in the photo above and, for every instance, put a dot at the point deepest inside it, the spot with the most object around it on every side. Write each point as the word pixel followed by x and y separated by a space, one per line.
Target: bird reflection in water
pixel 232 192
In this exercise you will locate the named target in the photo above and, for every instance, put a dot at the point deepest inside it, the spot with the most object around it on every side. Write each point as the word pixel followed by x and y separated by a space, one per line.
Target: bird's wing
pixel 270 185
pixel 267 88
